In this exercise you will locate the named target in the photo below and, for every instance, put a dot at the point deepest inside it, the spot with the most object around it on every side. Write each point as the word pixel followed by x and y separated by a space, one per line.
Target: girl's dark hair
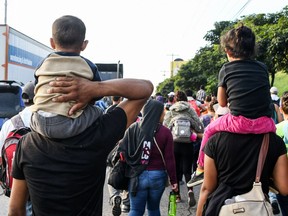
pixel 284 103
pixel 180 96
pixel 239 42
pixel 69 32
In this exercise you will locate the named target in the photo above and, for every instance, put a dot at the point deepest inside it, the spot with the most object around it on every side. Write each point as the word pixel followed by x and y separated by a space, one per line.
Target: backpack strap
pixel 17 121
pixel 262 156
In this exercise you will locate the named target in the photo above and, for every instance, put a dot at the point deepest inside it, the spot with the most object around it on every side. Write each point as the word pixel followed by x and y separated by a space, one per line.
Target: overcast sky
pixel 143 35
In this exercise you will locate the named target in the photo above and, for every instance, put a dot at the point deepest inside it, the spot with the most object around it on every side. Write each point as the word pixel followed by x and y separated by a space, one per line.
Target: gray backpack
pixel 181 129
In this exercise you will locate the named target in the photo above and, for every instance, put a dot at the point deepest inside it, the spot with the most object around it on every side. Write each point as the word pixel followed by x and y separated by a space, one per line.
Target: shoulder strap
pixel 262 156
pixel 17 121
pixel 159 151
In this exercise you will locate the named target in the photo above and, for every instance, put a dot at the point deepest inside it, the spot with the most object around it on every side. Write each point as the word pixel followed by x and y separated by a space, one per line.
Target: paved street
pixel 182 208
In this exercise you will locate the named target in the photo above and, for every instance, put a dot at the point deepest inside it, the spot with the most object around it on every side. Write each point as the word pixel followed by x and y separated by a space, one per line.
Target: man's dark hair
pixel 189 92
pixel 68 32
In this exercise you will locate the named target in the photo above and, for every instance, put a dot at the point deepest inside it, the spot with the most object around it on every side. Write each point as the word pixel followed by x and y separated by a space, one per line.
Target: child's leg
pixel 62 127
pixel 220 124
pixel 235 124
pixel 243 125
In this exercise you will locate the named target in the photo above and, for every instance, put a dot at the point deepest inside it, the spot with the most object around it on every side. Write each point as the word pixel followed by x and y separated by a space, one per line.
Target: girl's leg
pixel 220 124
pixel 235 124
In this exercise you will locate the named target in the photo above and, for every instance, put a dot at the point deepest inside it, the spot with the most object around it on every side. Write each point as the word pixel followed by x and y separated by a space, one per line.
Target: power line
pixel 241 9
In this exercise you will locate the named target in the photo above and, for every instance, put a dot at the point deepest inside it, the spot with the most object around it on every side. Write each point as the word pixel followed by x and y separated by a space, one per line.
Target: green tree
pixel 271 32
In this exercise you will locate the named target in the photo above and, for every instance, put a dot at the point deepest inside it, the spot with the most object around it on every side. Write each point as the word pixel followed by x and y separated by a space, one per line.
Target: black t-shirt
pixel 247 86
pixel 66 177
pixel 236 157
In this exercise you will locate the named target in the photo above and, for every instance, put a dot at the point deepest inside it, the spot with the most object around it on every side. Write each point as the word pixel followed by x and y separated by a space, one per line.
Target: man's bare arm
pixel 18 198
pixel 81 90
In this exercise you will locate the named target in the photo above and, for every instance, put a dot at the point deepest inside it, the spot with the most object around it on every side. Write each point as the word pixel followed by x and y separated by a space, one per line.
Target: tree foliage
pixel 271 32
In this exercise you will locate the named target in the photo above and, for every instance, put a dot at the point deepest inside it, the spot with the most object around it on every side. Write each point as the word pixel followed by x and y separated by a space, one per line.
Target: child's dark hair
pixel 284 103
pixel 69 32
pixel 239 42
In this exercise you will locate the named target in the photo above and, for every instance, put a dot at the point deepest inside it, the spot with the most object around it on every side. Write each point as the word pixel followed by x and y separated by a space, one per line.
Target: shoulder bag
pixel 254 202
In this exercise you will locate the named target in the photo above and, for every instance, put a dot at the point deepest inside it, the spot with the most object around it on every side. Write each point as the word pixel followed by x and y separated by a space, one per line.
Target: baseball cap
pixel 28 92
pixel 171 94
pixel 273 90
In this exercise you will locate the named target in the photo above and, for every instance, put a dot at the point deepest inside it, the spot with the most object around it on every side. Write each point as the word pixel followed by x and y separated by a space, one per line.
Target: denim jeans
pixel 151 185
pixel 29 208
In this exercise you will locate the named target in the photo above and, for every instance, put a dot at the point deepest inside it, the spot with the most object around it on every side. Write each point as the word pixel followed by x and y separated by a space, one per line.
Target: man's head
pixel 28 93
pixel 68 33
pixel 189 92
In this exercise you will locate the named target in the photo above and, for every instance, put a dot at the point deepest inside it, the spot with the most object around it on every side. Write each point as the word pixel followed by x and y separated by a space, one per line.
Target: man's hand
pixel 71 89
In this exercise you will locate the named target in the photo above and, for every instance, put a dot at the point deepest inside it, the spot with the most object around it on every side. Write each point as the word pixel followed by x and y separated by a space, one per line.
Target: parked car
pixel 10 99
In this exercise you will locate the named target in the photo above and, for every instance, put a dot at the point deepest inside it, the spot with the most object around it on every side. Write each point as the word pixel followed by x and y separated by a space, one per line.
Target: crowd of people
pixel 60 166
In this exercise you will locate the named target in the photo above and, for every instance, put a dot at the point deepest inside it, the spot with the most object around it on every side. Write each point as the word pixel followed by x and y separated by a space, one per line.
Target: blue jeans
pixel 29 208
pixel 151 185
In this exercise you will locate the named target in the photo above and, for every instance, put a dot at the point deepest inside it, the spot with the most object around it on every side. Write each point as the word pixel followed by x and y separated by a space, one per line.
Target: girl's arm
pixel 222 96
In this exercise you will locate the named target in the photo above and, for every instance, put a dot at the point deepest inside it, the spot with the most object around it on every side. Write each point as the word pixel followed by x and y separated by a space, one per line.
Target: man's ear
pixel 52 44
pixel 84 45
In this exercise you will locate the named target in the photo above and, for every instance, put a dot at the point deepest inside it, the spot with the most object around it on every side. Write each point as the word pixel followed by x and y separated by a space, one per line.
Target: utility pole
pixel 172 65
pixel 5 15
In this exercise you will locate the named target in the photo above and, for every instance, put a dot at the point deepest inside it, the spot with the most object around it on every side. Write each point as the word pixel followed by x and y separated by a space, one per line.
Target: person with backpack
pixel 22 119
pixel 195 104
pixel 67 176
pixel 183 147
pixel 147 149
pixel 115 196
